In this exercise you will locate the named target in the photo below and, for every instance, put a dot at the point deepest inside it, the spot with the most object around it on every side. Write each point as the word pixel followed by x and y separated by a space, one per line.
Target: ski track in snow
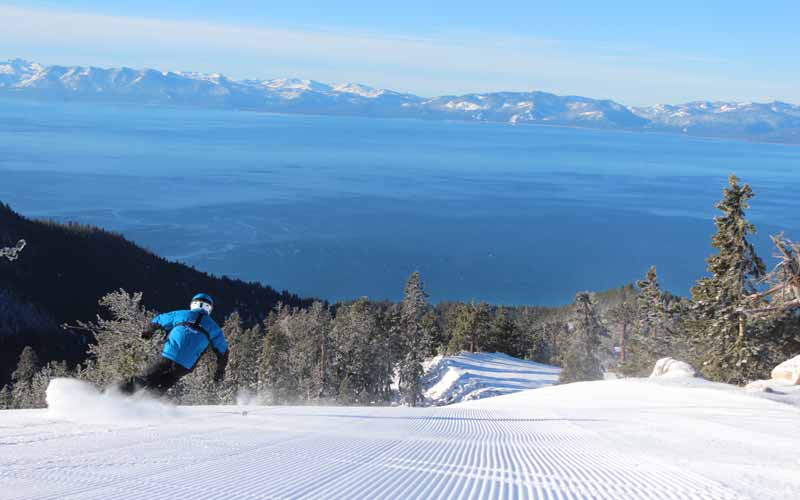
pixel 605 440
pixel 308 452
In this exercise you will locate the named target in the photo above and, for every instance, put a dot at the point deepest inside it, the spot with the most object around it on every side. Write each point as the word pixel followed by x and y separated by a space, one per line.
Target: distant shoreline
pixel 772 122
pixel 10 95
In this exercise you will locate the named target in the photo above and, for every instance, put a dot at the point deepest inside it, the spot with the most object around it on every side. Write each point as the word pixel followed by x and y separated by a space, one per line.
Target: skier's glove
pixel 148 332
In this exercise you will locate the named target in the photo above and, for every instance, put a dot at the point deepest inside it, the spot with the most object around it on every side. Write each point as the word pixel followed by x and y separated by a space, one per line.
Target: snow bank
pixel 782 391
pixel 452 379
pixel 789 371
pixel 76 400
pixel 669 367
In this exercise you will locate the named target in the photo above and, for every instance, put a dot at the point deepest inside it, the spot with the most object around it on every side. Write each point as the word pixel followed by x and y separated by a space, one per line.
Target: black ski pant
pixel 162 375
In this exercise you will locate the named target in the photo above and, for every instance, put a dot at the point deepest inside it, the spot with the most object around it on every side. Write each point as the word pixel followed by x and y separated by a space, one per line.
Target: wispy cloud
pixel 427 65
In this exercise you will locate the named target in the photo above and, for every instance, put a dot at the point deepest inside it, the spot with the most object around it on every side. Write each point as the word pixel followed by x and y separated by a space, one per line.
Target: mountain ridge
pixel 774 121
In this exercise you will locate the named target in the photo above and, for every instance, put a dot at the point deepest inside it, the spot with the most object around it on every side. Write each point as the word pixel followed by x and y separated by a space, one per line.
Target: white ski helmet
pixel 202 301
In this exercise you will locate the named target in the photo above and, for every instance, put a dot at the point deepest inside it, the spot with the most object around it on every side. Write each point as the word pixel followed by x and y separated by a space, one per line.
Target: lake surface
pixel 340 207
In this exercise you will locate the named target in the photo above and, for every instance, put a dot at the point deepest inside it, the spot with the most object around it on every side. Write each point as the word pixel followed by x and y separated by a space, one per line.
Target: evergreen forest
pixel 74 300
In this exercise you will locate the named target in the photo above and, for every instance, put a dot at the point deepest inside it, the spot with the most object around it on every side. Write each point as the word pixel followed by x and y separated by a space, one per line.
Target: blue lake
pixel 341 207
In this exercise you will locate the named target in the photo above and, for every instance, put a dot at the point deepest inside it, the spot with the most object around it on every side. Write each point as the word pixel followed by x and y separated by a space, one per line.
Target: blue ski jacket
pixel 187 341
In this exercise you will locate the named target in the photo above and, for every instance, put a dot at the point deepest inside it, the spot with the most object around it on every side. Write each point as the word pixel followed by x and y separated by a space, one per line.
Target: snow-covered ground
pixel 453 379
pixel 676 438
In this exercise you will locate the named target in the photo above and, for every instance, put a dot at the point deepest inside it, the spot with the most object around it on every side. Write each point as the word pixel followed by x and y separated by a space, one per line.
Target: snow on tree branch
pixel 12 253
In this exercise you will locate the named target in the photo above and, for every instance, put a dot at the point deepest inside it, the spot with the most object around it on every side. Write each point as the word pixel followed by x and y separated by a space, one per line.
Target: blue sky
pixel 633 52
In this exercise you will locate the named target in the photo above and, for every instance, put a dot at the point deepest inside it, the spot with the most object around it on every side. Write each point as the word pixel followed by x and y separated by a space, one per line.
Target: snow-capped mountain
pixel 533 107
pixel 358 89
pixel 775 121
pixel 778 120
pixel 294 84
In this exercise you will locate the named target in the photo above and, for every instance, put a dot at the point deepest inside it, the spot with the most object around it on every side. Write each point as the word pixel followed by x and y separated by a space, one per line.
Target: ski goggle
pixel 198 304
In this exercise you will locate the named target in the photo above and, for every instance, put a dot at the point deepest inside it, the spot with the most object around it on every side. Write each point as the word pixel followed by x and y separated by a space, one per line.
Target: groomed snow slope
pixel 609 439
pixel 453 379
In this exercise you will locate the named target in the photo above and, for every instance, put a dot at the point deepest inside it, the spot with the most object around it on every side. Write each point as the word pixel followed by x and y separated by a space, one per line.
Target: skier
pixel 188 335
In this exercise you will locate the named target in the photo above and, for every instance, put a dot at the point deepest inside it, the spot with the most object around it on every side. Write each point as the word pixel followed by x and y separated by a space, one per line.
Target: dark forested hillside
pixel 66 268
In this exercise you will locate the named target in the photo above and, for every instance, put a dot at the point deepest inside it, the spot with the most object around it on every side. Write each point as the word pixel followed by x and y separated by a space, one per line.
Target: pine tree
pixel 310 348
pixel 419 340
pixel 414 309
pixel 241 375
pixel 658 317
pixel 356 338
pixel 624 315
pixel 118 351
pixel 459 329
pixel 538 333
pixel 5 398
pixel 410 377
pixel 24 393
pixel 30 382
pixel 471 328
pixel 649 339
pixel 523 341
pixel 276 385
pixel 651 308
pixel 546 341
pixel 198 387
pixel 720 335
pixel 41 380
pixel 234 331
pixel 503 334
pixel 434 334
pixel 581 361
pixel 391 351
pixel 347 394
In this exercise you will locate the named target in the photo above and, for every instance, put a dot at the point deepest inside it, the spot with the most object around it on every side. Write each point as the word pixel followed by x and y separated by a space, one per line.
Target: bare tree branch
pixel 783 281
